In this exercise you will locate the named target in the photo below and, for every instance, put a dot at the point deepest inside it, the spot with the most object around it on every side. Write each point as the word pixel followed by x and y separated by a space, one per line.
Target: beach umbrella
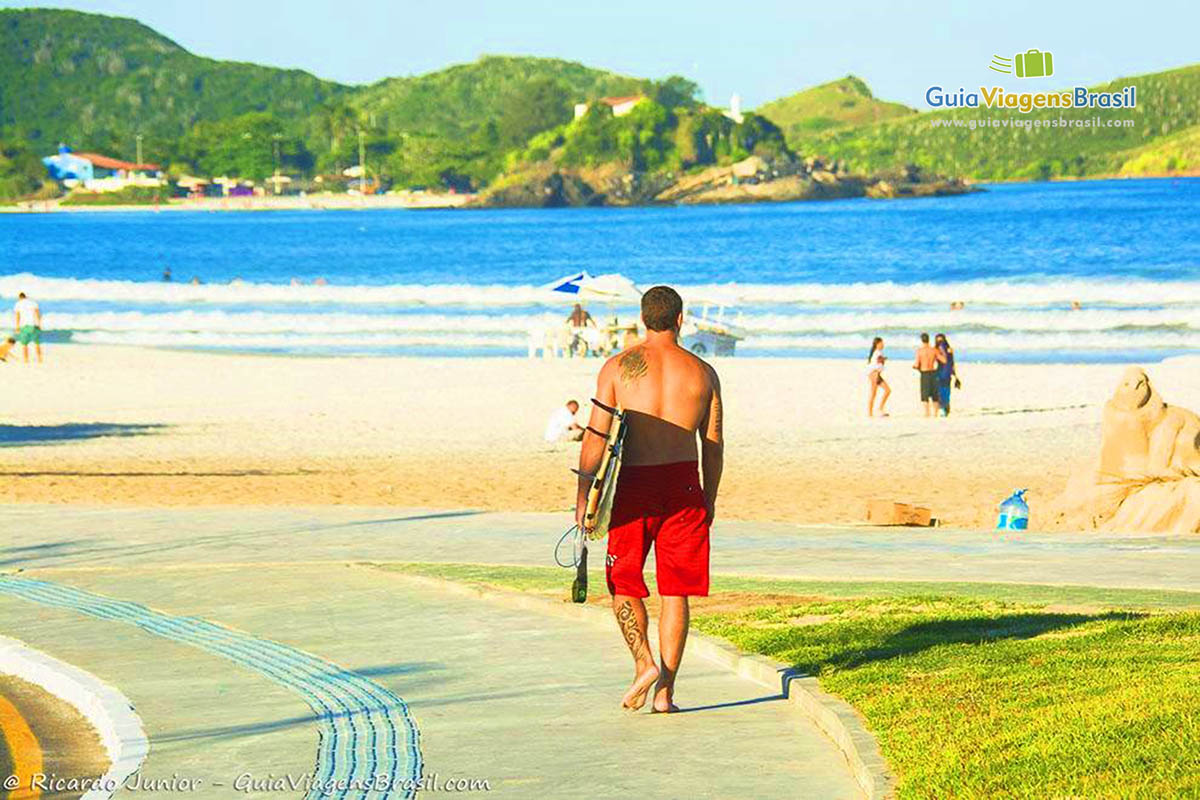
pixel 611 288
pixel 569 284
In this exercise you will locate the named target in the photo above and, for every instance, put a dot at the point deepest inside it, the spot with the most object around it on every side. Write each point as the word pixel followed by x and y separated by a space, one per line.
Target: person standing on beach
pixel 875 362
pixel 669 396
pixel 946 373
pixel 926 364
pixel 28 325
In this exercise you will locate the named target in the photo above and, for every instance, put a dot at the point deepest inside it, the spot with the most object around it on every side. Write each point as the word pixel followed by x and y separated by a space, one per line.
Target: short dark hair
pixel 925 338
pixel 661 307
pixel 21 296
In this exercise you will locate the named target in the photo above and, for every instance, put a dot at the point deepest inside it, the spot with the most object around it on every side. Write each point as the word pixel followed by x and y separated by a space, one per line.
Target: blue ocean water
pixel 817 278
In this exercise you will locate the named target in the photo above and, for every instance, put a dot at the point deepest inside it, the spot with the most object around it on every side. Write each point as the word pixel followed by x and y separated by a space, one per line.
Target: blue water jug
pixel 1014 513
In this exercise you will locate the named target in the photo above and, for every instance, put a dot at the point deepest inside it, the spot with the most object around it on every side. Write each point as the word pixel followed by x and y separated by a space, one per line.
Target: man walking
pixel 927 364
pixel 669 396
pixel 28 325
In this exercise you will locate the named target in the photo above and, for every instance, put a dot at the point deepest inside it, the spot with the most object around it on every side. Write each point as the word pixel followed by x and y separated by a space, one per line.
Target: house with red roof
pixel 89 171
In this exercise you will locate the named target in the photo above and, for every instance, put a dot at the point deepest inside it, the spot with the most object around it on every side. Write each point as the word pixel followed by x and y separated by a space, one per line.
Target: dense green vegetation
pixel 975 690
pixel 129 196
pixel 97 83
pixel 1167 103
pixel 841 103
pixel 20 169
pixel 1178 152
pixel 651 138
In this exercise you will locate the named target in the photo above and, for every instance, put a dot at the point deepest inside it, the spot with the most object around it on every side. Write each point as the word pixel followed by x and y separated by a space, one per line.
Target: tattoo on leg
pixel 633 365
pixel 634 636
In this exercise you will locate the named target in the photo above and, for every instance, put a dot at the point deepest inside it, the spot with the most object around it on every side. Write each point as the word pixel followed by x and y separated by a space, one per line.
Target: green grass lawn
pixel 977 690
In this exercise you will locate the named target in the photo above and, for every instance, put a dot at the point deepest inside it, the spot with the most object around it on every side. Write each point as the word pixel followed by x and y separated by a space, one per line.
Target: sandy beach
pixel 125 426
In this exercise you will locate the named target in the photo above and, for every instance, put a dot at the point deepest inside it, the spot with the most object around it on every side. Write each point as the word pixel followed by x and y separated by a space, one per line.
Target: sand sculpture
pixel 1148 475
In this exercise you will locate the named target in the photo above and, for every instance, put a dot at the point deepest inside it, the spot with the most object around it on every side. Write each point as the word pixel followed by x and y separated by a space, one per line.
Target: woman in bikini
pixel 875 362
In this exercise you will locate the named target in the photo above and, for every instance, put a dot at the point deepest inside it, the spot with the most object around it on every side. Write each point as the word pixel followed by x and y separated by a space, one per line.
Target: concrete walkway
pixel 252 644
pixel 41 537
pixel 526 702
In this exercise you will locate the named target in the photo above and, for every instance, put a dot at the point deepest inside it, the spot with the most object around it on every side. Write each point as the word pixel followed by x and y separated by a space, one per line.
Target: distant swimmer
pixel 166 276
pixel 29 325
pixel 957 305
pixel 320 282
pixel 669 396
pixel 562 425
pixel 927 363
pixel 1076 305
pixel 195 281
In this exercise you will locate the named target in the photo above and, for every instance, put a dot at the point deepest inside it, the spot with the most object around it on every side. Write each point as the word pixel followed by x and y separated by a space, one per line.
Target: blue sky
pixel 761 49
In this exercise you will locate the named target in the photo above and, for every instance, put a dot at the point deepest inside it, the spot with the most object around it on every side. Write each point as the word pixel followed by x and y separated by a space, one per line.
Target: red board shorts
pixel 660 505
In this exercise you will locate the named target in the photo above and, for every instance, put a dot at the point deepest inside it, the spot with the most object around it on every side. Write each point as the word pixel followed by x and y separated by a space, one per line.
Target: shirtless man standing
pixel 926 363
pixel 669 396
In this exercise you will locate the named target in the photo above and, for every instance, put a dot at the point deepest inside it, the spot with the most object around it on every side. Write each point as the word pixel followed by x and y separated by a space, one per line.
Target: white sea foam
pixel 983 293
pixel 298 342
pixel 1165 321
pixel 1114 342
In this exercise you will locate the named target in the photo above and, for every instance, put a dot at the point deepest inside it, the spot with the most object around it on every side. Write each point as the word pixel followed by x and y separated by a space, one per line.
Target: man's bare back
pixel 668 395
pixel 927 358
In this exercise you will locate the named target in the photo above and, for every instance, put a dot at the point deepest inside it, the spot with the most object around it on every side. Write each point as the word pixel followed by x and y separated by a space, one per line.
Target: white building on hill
pixel 620 105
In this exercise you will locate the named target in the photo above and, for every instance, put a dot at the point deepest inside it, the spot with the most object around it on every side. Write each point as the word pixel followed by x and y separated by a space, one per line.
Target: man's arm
pixel 592 449
pixel 712 446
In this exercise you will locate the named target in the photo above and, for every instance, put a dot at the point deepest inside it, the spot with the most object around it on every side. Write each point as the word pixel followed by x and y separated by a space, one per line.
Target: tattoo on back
pixel 634 636
pixel 633 365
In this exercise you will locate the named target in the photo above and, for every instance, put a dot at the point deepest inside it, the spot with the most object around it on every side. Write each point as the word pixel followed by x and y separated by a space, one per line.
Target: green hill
pixel 836 104
pixel 97 81
pixel 1176 153
pixel 454 102
pixel 1167 103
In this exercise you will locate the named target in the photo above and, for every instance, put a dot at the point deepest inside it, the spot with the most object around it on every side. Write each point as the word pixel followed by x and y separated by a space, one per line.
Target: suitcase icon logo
pixel 1033 63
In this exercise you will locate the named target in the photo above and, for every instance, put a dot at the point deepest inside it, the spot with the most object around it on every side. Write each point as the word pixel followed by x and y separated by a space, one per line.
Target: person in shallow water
pixel 669 396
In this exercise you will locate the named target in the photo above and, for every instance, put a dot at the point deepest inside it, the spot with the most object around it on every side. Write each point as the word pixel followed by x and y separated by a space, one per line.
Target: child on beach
pixel 875 362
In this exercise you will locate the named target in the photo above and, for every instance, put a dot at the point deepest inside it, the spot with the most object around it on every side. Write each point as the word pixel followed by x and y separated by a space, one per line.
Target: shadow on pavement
pixel 733 704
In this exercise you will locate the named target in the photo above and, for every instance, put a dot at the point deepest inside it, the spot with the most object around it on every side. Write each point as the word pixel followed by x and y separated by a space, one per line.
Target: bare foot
pixel 664 700
pixel 635 698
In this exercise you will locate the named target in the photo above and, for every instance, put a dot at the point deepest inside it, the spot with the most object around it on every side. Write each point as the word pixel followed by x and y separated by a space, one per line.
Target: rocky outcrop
pixel 752 180
pixel 545 187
